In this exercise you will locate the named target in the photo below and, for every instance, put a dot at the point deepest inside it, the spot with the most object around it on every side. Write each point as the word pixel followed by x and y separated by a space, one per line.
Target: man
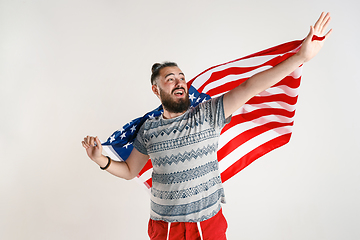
pixel 187 192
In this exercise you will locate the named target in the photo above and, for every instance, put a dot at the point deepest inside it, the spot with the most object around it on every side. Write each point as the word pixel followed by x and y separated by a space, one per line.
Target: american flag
pixel 264 123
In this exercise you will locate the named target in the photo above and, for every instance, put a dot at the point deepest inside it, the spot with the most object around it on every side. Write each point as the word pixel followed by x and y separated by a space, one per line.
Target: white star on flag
pixel 112 138
pixel 123 135
pixel 126 145
pixel 133 128
pixel 192 97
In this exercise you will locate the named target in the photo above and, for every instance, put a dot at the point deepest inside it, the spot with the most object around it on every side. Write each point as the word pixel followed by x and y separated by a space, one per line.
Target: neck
pixel 169 115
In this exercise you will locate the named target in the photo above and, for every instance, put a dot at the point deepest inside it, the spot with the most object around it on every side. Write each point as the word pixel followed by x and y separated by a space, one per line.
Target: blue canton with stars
pixel 121 140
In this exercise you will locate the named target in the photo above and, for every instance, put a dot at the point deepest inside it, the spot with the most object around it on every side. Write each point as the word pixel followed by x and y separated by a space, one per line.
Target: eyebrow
pixel 174 74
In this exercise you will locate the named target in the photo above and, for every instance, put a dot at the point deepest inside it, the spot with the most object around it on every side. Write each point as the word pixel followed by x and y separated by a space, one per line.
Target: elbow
pixel 123 175
pixel 128 173
pixel 129 177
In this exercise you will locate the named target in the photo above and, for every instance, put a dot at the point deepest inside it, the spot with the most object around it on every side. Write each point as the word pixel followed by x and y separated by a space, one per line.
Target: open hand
pixel 311 47
pixel 94 151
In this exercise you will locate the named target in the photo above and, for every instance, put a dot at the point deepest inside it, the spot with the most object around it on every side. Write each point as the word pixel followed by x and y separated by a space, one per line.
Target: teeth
pixel 179 91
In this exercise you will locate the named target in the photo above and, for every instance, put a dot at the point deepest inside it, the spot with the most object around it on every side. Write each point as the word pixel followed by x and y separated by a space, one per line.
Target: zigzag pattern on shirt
pixel 189 208
pixel 206 217
pixel 160 126
pixel 182 141
pixel 202 218
pixel 186 156
pixel 186 175
pixel 185 193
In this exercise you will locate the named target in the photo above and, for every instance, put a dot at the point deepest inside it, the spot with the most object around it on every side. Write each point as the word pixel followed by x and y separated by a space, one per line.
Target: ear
pixel 156 90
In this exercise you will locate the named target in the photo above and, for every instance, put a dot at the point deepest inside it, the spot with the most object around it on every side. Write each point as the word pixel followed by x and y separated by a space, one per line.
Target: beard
pixel 179 106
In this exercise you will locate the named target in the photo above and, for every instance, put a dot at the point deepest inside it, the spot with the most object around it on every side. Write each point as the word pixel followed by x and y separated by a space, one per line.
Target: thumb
pixel 311 34
pixel 98 143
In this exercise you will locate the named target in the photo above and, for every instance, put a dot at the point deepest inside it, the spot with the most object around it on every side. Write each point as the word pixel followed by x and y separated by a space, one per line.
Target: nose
pixel 177 81
pixel 180 84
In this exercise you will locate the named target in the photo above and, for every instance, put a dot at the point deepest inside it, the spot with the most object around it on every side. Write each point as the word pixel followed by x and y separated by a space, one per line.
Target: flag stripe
pixel 278 90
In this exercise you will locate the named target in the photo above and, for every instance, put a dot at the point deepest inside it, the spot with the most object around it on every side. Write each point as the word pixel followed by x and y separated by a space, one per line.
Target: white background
pixel 77 67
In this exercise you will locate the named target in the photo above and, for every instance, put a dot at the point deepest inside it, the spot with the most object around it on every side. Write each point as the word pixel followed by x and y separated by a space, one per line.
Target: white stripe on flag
pixel 231 78
pixel 273 105
pixel 283 89
pixel 111 153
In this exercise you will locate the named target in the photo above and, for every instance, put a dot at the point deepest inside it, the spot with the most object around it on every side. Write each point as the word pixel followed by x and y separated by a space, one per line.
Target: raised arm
pixel 127 170
pixel 237 97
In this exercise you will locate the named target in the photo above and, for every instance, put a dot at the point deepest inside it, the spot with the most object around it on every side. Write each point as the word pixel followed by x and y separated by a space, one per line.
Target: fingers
pixel 326 22
pixel 90 142
pixel 328 33
pixel 322 23
pixel 319 21
pixel 85 145
pixel 98 143
pixel 310 35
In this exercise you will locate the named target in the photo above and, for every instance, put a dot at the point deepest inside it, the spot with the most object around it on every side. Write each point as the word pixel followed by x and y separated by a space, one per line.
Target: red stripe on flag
pixel 273 98
pixel 147 166
pixel 290 82
pixel 148 183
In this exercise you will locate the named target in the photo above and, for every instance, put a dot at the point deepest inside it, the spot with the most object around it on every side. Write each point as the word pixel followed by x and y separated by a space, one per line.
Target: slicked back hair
pixel 155 69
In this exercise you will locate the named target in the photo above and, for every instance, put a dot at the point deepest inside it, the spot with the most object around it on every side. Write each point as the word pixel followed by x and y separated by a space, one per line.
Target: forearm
pixel 237 97
pixel 270 77
pixel 119 169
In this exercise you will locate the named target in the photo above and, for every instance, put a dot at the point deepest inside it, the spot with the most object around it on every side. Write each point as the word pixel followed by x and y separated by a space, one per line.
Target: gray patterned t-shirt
pixel 186 183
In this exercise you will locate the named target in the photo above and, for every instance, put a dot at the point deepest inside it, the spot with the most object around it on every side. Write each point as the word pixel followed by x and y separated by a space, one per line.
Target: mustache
pixel 178 88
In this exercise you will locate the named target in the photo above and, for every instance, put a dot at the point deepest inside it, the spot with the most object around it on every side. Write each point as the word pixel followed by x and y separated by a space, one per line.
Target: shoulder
pixel 150 123
pixel 212 103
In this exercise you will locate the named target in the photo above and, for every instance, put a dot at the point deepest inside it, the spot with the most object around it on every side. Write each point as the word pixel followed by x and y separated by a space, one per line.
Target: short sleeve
pixel 216 112
pixel 139 141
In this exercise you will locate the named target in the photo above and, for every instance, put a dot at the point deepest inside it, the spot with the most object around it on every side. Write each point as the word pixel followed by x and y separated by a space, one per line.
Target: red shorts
pixel 211 229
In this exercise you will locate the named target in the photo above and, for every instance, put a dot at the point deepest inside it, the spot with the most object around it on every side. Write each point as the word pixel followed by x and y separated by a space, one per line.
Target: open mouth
pixel 179 92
